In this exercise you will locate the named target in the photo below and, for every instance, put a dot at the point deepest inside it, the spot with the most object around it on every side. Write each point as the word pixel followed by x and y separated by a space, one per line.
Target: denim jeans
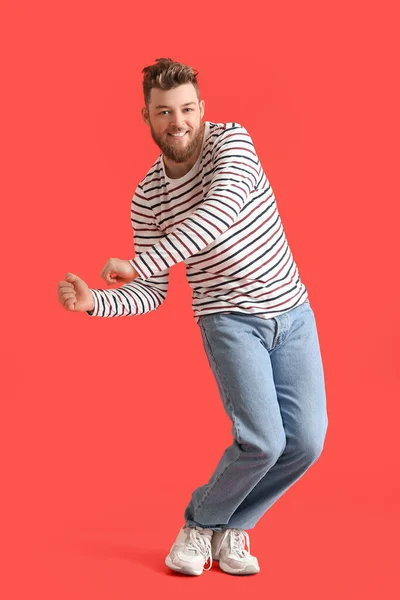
pixel 270 378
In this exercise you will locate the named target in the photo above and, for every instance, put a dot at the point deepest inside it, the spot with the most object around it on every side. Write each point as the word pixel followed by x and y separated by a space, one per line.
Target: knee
pixel 309 444
pixel 265 448
pixel 312 451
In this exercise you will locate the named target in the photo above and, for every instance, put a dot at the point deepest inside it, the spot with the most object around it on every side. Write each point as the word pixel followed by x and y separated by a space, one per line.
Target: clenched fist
pixel 74 294
pixel 117 270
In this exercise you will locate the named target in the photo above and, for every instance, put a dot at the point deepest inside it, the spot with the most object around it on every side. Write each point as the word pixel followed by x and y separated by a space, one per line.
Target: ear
pixel 145 115
pixel 202 108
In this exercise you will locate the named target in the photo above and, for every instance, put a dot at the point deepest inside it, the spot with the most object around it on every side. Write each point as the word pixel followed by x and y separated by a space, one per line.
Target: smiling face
pixel 176 111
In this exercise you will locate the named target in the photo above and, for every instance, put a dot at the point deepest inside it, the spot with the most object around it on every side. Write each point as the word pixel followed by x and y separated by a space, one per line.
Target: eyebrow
pixel 163 105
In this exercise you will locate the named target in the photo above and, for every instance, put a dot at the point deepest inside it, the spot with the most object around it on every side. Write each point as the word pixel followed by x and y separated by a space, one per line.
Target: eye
pixel 166 111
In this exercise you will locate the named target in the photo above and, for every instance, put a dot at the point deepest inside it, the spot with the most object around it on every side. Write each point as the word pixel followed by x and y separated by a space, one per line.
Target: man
pixel 207 201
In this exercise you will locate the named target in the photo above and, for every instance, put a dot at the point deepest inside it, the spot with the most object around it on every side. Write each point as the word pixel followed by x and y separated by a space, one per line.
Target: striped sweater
pixel 221 219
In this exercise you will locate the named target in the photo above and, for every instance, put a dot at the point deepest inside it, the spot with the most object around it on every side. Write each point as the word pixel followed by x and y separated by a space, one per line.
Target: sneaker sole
pixel 248 570
pixel 186 571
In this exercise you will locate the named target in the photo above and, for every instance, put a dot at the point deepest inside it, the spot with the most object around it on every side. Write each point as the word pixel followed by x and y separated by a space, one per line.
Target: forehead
pixel 176 97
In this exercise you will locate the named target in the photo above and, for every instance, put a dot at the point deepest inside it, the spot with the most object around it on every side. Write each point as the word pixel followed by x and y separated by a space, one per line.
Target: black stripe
pixel 128 299
pixel 176 249
pixel 240 231
pixel 161 257
pixel 231 255
pixel 191 240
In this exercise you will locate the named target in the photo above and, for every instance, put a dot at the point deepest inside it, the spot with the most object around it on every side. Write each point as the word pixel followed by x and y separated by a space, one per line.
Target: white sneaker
pixel 229 548
pixel 191 551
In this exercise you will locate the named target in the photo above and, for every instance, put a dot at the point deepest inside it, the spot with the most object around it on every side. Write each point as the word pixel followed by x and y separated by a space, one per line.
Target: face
pixel 176 111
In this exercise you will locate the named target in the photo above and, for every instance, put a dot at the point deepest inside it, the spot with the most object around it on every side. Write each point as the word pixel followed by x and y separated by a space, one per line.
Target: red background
pixel 107 425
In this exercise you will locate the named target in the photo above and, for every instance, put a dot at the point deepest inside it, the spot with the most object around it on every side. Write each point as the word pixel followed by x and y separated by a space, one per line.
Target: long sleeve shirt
pixel 222 220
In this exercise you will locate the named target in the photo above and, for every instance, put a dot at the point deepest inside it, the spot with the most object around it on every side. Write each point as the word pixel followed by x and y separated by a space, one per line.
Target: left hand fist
pixel 117 270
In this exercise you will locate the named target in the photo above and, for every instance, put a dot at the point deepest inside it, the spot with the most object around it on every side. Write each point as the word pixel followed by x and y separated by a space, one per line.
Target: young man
pixel 207 201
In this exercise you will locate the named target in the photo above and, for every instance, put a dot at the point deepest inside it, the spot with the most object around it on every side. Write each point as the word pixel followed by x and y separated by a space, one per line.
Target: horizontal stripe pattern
pixel 222 220
pixel 139 296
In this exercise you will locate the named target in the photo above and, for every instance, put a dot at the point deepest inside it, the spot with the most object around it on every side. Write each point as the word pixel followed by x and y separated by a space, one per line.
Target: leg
pixel 299 380
pixel 242 368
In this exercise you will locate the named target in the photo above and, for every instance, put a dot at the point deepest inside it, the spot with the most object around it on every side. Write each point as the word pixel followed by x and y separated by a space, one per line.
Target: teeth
pixel 178 134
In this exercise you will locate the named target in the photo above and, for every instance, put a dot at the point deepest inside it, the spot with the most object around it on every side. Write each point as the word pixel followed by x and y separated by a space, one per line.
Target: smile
pixel 178 135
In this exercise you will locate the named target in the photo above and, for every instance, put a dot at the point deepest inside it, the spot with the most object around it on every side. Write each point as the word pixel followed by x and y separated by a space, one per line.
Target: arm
pixel 137 297
pixel 236 173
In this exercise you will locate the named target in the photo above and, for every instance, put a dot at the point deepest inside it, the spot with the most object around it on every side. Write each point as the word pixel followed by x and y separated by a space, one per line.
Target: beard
pixel 171 149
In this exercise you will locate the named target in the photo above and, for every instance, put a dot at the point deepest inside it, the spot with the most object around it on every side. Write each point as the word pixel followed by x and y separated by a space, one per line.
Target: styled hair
pixel 167 74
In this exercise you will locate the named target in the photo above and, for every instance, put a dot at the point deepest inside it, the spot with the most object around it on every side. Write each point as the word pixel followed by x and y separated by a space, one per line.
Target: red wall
pixel 107 425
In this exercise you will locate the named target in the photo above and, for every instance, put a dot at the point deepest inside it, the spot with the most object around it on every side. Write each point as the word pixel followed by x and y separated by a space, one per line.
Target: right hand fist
pixel 74 294
pixel 117 270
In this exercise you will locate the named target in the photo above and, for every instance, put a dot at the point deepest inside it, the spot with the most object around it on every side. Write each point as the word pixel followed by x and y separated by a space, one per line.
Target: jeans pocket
pixel 204 318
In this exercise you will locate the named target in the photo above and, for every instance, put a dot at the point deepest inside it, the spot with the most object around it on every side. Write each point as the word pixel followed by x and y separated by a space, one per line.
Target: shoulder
pixel 153 175
pixel 231 137
pixel 150 185
pixel 229 132
pixel 224 129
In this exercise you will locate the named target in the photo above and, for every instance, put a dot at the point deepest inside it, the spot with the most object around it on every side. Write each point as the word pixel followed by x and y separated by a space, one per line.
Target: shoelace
pixel 238 538
pixel 197 541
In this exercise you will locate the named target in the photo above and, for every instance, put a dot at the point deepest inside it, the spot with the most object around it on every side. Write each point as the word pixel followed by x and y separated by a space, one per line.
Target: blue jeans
pixel 270 377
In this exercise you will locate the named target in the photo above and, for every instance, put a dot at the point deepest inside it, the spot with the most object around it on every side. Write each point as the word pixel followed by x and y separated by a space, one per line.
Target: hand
pixel 117 270
pixel 74 294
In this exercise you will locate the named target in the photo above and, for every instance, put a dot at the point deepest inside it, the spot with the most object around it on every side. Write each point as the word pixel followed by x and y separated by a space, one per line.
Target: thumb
pixel 71 277
pixel 76 281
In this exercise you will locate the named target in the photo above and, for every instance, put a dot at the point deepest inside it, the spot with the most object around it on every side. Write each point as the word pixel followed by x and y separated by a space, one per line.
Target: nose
pixel 178 121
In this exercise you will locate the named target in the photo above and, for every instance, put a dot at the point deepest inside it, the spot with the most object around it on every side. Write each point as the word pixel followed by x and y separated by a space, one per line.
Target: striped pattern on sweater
pixel 221 219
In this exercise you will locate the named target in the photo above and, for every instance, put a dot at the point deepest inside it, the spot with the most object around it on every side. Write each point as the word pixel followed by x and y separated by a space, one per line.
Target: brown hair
pixel 166 74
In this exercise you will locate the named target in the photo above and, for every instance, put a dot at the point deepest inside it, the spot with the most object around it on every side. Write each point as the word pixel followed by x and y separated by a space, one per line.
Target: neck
pixel 176 170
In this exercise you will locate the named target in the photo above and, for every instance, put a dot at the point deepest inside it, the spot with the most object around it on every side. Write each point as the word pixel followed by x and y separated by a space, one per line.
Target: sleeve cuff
pixel 94 311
